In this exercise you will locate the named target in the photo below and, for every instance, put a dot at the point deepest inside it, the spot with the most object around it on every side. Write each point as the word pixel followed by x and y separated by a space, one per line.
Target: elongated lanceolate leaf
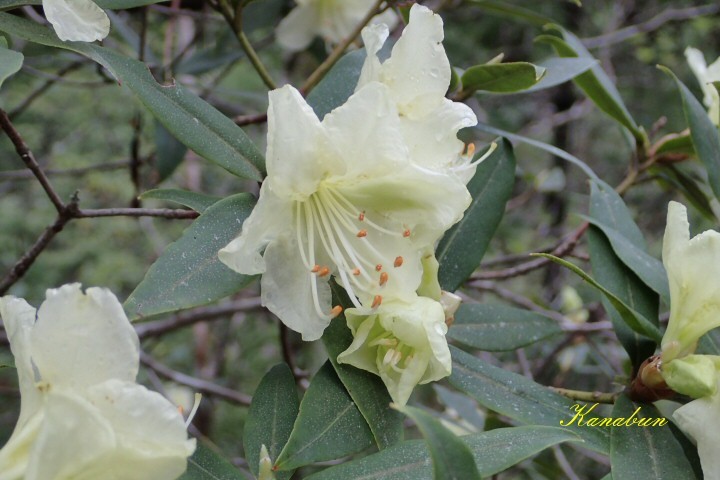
pixel 10 61
pixel 561 70
pixel 463 246
pixel 329 425
pixel 271 417
pixel 205 464
pixel 189 272
pixel 337 86
pixel 497 328
pixel 501 77
pixel 189 118
pixel 197 201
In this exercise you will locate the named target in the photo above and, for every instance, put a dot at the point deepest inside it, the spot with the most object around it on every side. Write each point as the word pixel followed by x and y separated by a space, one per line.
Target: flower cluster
pixel 82 416
pixel 362 196
pixel 693 269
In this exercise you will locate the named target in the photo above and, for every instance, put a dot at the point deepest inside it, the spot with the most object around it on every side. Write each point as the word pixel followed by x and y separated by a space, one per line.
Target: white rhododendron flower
pixel 344 198
pixel 82 416
pixel 706 75
pixel 333 20
pixel 402 342
pixel 77 20
pixel 693 270
pixel 418 76
pixel 700 419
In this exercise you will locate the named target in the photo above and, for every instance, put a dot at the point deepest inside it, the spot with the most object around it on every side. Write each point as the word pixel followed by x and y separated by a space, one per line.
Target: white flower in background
pixel 418 76
pixel 77 20
pixel 342 197
pixel 402 342
pixel 82 416
pixel 706 75
pixel 700 419
pixel 334 20
pixel 693 270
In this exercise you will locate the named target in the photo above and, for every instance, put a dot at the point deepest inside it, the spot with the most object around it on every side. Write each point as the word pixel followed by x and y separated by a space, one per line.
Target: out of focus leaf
pixel 10 61
pixel 501 77
pixel 561 70
pixel 169 152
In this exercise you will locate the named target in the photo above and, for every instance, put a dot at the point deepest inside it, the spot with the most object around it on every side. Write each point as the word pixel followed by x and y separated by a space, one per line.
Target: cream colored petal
pixel 15 454
pixel 296 31
pixel 151 437
pixel 19 318
pixel 358 354
pixel 418 71
pixel 700 419
pixel 72 440
pixel 77 20
pixel 83 339
pixel 287 290
pixel 298 151
pixel 271 217
pixel 374 37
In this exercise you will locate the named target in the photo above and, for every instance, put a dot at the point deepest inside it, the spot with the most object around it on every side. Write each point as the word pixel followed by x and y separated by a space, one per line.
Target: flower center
pixel 330 228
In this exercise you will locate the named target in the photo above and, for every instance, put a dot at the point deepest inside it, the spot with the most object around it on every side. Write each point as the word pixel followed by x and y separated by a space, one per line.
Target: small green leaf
pixel 561 70
pixel 521 399
pixel 463 246
pixel 595 83
pixel 10 61
pixel 501 77
pixel 675 143
pixel 189 118
pixel 271 417
pixel 451 457
pixel 493 451
pixel 197 201
pixel 189 273
pixel 328 427
pixel 205 464
pixel 497 327
pixel 367 390
pixel 652 450
pixel 704 133
pixel 632 318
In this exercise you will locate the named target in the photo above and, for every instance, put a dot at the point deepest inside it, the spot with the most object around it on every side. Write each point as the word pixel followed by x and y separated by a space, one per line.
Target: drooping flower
pixel 82 416
pixel 699 419
pixel 77 20
pixel 342 197
pixel 693 270
pixel 706 75
pixel 418 76
pixel 402 342
pixel 333 20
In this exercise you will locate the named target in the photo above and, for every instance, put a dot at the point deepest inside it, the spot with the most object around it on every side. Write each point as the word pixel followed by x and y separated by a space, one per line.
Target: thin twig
pixel 242 120
pixel 172 213
pixel 201 386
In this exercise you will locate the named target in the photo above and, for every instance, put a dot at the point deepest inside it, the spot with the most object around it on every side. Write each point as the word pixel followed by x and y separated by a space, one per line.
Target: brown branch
pixel 202 386
pixel 242 120
pixel 160 327
pixel 669 15
pixel 172 213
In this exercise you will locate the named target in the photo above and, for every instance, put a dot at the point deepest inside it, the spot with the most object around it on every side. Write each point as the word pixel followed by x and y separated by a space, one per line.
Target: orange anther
pixel 323 271
pixel 337 310
pixel 180 410
pixel 398 262
pixel 361 217
pixel 406 233
pixel 315 269
pixel 362 233
pixel 376 301
pixel 356 272
pixel 470 149
pixel 378 267
pixel 383 278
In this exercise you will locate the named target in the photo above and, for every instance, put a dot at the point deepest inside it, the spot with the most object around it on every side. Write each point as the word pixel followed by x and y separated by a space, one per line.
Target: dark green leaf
pixel 689 186
pixel 451 457
pixel 595 83
pixel 652 452
pixel 508 10
pixel 676 143
pixel 169 152
pixel 10 61
pixel 493 452
pixel 328 427
pixel 501 77
pixel 561 70
pixel 189 118
pixel 463 246
pixel 521 399
pixel 703 132
pixel 632 318
pixel 205 464
pixel 367 390
pixel 197 201
pixel 271 417
pixel 497 327
pixel 189 273
pixel 337 86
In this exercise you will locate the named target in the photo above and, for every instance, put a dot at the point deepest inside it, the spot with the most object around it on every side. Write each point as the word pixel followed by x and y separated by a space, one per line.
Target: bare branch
pixel 175 213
